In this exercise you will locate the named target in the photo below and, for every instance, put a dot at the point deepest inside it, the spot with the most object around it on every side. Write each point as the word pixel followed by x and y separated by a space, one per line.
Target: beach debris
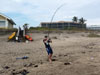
pixel 54 56
pixel 6 67
pixel 28 65
pixel 13 70
pixel 67 63
pixel 41 62
pixel 25 57
pixel 27 41
pixel 54 59
pixel 65 55
pixel 35 65
pixel 22 72
pixel 83 52
pixel 60 55
pixel 54 37
pixel 92 58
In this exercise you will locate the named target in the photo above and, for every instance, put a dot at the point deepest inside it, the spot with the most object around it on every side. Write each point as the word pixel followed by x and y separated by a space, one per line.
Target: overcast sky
pixel 35 11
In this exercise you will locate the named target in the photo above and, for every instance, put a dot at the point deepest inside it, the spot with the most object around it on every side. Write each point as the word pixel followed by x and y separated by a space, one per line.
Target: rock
pixel 83 52
pixel 60 55
pixel 22 72
pixel 68 63
pixel 35 65
pixel 65 55
pixel 28 65
pixel 6 67
pixel 54 59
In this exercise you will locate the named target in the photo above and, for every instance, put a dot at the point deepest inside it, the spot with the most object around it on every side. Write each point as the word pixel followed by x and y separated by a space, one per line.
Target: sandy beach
pixel 74 54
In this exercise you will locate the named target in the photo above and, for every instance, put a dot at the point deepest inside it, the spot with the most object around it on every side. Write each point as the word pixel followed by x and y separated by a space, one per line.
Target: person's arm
pixel 49 40
pixel 45 40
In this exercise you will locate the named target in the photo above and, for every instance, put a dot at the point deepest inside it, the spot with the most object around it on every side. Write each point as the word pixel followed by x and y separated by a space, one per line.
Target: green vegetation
pixel 8 29
pixel 93 35
pixel 82 20
pixel 75 29
pixel 71 29
pixel 41 28
pixel 76 20
pixel 4 31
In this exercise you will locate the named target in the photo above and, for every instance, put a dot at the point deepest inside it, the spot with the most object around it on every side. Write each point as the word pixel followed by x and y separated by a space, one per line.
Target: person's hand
pixel 50 40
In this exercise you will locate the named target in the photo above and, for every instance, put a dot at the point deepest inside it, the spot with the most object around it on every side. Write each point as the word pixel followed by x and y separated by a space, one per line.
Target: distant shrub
pixel 93 35
pixel 54 37
pixel 41 29
pixel 8 29
pixel 4 31
pixel 38 28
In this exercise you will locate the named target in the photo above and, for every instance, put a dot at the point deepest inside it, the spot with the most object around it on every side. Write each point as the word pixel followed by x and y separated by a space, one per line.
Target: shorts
pixel 49 50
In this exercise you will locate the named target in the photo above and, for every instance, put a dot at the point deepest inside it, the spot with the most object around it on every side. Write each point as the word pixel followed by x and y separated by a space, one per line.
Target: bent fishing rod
pixel 54 16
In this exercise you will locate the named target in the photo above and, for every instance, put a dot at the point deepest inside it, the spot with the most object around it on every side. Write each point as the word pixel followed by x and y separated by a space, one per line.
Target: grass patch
pixel 93 35
pixel 40 28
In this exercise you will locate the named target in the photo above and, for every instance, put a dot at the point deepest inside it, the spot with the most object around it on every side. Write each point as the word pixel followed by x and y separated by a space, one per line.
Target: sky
pixel 34 12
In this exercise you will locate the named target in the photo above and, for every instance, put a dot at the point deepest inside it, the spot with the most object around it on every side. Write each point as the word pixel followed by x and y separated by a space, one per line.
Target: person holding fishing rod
pixel 49 50
pixel 47 40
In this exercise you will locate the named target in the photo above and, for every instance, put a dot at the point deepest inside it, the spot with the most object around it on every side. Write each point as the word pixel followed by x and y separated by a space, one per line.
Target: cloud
pixel 95 21
pixel 36 11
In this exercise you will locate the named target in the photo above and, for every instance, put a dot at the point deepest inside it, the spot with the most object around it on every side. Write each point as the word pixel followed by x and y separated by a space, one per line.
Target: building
pixel 6 22
pixel 94 27
pixel 62 25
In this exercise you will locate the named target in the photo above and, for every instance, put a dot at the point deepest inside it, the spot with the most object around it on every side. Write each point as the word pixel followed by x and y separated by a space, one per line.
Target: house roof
pixel 8 18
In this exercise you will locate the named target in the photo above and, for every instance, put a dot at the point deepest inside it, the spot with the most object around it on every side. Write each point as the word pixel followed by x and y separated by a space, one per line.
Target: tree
pixel 25 26
pixel 75 19
pixel 82 20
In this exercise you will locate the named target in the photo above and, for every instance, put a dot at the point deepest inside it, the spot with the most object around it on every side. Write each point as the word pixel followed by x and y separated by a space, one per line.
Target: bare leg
pixel 50 58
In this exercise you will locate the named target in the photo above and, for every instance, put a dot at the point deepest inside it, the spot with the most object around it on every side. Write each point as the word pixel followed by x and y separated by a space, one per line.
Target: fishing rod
pixel 54 16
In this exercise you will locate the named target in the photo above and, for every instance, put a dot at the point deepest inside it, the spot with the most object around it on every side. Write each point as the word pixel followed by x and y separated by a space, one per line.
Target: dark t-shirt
pixel 47 45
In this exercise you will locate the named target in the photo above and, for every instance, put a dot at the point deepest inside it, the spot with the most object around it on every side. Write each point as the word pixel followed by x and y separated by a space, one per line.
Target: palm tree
pixel 75 19
pixel 82 20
